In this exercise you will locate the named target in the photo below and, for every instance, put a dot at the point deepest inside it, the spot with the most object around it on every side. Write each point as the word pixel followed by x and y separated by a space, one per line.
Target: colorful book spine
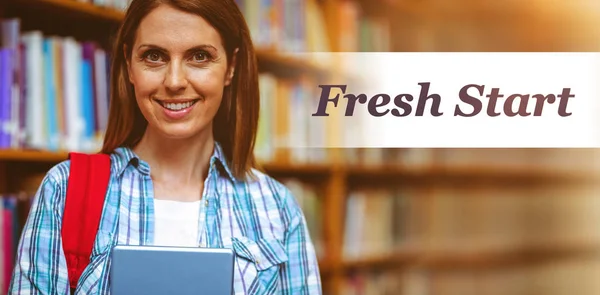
pixel 53 91
pixel 7 240
pixel 10 32
pixel 6 76
pixel 87 95
pixel 50 92
pixel 12 218
pixel 3 287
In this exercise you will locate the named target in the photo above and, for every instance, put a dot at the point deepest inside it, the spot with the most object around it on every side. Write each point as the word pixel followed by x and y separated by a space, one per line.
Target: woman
pixel 181 131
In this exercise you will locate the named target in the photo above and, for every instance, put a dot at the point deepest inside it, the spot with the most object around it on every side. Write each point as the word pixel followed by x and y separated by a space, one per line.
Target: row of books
pixel 560 277
pixel 300 25
pixel 503 217
pixel 113 4
pixel 440 219
pixel 360 32
pixel 457 222
pixel 285 122
pixel 286 25
pixel 378 222
pixel 54 91
pixel 54 96
pixel 12 216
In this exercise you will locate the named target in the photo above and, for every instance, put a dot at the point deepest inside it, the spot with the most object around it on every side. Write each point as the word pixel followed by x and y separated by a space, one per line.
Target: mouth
pixel 177 106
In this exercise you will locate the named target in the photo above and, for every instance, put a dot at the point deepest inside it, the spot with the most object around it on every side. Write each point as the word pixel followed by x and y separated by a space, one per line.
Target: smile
pixel 177 106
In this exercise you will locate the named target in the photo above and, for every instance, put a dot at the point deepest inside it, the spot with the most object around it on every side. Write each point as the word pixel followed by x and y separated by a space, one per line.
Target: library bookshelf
pixel 415 214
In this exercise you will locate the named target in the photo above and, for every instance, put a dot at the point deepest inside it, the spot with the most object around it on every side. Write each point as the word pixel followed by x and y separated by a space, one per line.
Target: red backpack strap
pixel 86 190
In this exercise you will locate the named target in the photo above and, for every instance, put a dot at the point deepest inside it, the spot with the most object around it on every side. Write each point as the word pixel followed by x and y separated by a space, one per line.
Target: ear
pixel 231 70
pixel 125 56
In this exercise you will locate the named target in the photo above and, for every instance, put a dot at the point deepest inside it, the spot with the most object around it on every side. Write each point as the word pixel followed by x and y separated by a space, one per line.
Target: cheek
pixel 207 83
pixel 146 82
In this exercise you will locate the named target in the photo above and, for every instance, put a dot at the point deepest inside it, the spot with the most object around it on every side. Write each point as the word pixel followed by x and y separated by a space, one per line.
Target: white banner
pixel 459 100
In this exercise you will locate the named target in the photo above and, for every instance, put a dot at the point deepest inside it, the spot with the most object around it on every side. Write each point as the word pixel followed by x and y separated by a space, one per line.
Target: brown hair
pixel 236 121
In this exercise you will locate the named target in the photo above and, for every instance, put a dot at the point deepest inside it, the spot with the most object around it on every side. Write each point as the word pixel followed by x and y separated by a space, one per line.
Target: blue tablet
pixel 151 270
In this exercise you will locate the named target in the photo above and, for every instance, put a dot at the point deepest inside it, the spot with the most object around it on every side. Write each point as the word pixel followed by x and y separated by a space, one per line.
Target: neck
pixel 177 162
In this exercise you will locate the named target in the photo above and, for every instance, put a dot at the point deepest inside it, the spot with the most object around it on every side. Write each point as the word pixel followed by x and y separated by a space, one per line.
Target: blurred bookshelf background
pixel 384 221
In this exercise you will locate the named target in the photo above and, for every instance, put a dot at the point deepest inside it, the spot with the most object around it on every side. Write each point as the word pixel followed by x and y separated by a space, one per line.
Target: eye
pixel 152 56
pixel 201 56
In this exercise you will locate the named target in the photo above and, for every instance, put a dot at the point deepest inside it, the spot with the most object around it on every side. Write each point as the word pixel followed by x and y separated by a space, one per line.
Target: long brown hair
pixel 236 121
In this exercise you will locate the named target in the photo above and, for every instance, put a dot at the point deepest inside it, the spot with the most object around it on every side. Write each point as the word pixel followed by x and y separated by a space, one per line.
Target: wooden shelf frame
pixel 73 8
pixel 433 10
pixel 385 172
pixel 13 155
pixel 476 259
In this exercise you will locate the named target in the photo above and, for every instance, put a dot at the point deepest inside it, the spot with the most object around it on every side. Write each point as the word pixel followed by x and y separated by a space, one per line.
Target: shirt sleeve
pixel 40 266
pixel 300 275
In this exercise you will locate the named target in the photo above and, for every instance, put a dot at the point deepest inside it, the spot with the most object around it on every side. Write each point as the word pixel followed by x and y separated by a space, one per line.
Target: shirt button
pixel 206 203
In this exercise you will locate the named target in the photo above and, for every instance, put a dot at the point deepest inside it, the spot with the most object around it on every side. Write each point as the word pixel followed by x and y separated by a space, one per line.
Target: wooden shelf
pixel 325 266
pixel 32 156
pixel 395 8
pixel 298 169
pixel 429 10
pixel 395 260
pixel 460 173
pixel 477 258
pixel 49 157
pixel 72 8
pixel 272 60
pixel 384 173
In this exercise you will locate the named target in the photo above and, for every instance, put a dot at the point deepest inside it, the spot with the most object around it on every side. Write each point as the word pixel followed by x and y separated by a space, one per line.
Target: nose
pixel 175 78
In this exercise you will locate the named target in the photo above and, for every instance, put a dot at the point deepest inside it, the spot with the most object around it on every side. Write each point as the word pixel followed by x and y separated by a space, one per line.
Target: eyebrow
pixel 193 49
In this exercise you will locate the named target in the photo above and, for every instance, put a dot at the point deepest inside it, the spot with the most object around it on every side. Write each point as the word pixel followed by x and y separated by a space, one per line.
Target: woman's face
pixel 178 68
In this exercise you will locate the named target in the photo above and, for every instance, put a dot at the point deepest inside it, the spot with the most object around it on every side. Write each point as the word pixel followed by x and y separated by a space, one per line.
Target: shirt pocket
pixel 257 264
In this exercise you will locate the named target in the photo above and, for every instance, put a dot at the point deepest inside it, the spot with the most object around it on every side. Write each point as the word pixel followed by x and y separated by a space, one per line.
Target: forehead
pixel 169 27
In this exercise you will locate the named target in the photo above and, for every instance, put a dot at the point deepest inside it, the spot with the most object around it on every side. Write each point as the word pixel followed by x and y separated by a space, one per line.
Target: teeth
pixel 178 106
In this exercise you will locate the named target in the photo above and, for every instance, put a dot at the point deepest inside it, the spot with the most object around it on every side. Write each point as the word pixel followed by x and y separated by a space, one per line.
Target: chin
pixel 181 131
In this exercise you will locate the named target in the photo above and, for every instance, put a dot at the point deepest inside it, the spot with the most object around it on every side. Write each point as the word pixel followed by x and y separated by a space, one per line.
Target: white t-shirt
pixel 176 223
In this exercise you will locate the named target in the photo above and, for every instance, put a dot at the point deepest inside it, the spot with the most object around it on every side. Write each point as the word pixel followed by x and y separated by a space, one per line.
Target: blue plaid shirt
pixel 259 219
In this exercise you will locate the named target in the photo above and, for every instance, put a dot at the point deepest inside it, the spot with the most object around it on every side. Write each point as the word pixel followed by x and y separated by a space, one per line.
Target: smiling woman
pixel 178 75
pixel 181 132
pixel 179 53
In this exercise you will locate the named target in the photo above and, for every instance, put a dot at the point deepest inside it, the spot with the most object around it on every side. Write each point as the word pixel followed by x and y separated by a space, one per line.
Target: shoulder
pixel 119 158
pixel 273 192
pixel 272 206
pixel 58 175
pixel 60 172
pixel 51 193
pixel 54 183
